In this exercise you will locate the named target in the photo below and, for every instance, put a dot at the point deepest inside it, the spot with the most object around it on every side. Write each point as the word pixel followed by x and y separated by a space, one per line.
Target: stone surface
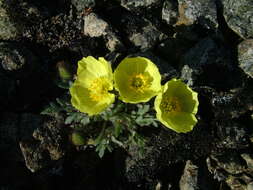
pixel 136 31
pixel 250 186
pixel 232 104
pixel 189 179
pixel 232 134
pixel 97 27
pixel 201 12
pixel 8 28
pixel 133 4
pixel 94 26
pixel 206 59
pixel 15 16
pixel 231 162
pixel 170 12
pixel 249 160
pixel 17 60
pixel 239 16
pixel 245 56
pixel 147 38
pixel 18 69
pixel 45 144
pixel 82 4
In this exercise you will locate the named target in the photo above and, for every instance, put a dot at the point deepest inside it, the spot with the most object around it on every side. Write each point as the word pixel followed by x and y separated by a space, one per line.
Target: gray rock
pixel 16 16
pixel 232 105
pixel 250 186
pixel 97 27
pixel 230 162
pixel 189 179
pixel 44 145
pixel 17 60
pixel 170 12
pixel 235 183
pixel 232 134
pixel 239 16
pixel 245 56
pixel 80 5
pixel 249 159
pixel 8 28
pixel 201 12
pixel 94 26
pixel 147 38
pixel 133 4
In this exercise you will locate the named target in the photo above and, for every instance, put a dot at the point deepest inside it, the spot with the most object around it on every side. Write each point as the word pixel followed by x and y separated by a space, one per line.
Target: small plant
pixel 99 119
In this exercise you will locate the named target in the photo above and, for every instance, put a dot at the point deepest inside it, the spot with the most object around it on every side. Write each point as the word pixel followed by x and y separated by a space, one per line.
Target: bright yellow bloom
pixel 90 91
pixel 176 106
pixel 137 79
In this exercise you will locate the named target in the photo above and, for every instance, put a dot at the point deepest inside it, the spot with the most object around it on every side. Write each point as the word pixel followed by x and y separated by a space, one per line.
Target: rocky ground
pixel 207 43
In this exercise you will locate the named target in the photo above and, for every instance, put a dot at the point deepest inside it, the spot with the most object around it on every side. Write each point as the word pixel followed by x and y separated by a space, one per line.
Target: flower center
pixel 99 88
pixel 171 104
pixel 139 82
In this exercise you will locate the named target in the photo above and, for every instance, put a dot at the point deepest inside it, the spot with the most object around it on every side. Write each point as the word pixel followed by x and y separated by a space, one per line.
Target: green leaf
pixel 145 121
pixel 117 129
pixel 70 118
pixel 85 120
pixel 142 109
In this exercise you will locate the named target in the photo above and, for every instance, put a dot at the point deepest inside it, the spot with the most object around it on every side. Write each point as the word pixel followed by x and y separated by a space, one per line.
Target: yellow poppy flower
pixel 176 106
pixel 137 79
pixel 90 91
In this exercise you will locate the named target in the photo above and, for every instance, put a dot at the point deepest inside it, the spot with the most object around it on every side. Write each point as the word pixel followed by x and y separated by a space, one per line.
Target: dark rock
pixel 16 60
pixel 17 15
pixel 229 166
pixel 230 162
pixel 197 12
pixel 134 29
pixel 81 5
pixel 232 134
pixel 239 16
pixel 189 179
pixel 44 145
pixel 235 183
pixel 232 104
pixel 8 28
pixel 21 74
pixel 9 136
pixel 172 49
pixel 245 56
pixel 206 60
pixel 57 32
pixel 170 12
pixel 134 4
pixel 166 148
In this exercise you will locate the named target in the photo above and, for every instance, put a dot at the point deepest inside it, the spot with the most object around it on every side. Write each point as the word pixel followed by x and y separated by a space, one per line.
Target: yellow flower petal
pixel 90 91
pixel 176 106
pixel 137 80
